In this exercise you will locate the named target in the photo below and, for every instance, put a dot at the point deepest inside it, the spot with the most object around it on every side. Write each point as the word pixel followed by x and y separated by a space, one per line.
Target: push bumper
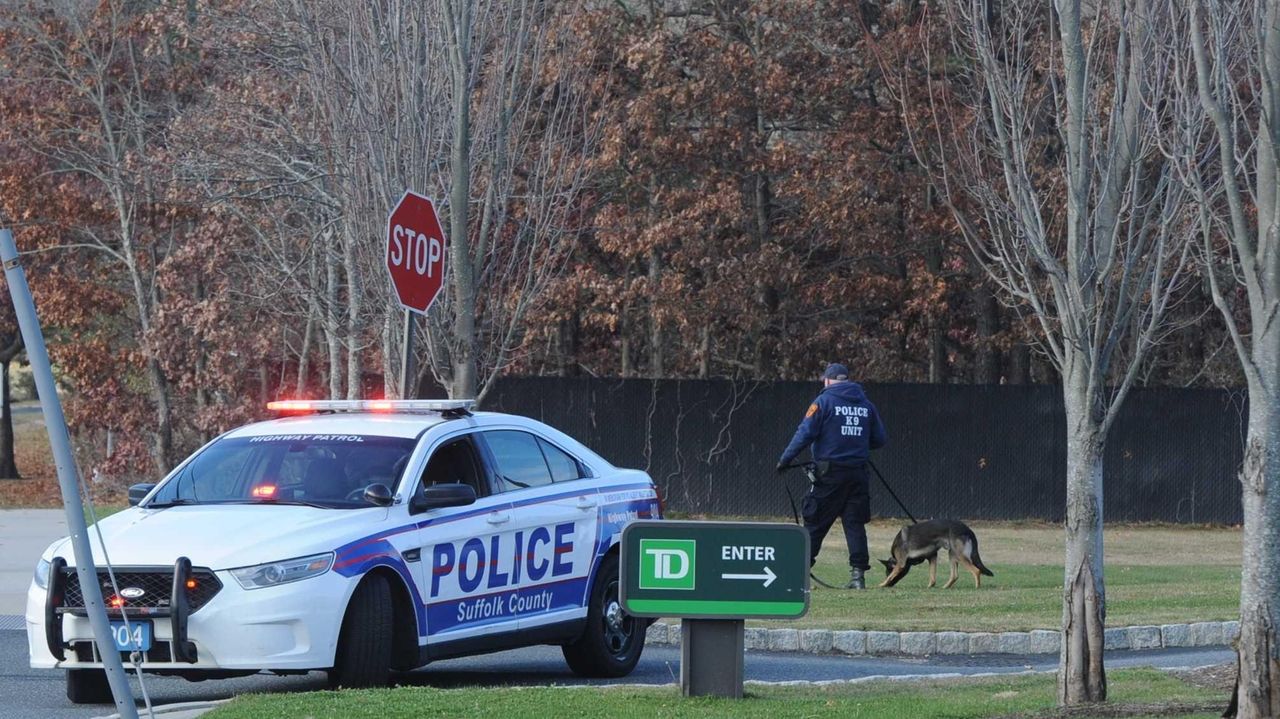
pixel 290 627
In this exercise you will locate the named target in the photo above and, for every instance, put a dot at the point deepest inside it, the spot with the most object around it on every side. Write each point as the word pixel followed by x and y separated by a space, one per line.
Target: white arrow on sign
pixel 767 577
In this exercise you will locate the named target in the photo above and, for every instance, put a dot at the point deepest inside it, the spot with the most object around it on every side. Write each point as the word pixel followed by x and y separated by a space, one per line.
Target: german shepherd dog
pixel 916 543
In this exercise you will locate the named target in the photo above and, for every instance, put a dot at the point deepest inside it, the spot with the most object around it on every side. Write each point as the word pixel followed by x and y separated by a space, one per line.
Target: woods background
pixel 682 189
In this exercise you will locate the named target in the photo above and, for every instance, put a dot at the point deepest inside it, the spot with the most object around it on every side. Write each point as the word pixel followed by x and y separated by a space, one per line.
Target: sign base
pixel 711 653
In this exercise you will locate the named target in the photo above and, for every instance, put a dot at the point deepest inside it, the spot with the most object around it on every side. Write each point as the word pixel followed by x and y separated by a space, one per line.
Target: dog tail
pixel 977 561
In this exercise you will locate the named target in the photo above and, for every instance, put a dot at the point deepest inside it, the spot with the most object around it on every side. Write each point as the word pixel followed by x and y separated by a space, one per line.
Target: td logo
pixel 667 563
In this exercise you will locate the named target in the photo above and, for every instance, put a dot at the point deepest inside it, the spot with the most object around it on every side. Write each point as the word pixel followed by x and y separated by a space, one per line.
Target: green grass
pixel 953 699
pixel 1154 575
pixel 1027 597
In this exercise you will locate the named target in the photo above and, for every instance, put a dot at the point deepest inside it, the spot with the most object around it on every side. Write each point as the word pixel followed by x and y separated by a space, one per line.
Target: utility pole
pixel 56 423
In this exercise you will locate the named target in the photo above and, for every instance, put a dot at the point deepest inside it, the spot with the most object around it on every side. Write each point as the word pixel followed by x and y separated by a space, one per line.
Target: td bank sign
pixel 714 569
pixel 668 564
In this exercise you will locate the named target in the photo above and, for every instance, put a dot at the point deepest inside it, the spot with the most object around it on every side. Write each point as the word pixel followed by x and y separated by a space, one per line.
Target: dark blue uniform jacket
pixel 841 424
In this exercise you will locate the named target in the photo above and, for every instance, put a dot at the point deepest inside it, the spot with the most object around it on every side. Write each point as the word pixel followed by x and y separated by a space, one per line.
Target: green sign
pixel 715 570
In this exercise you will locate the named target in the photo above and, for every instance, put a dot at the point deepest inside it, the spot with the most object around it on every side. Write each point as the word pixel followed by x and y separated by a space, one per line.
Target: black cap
pixel 835 370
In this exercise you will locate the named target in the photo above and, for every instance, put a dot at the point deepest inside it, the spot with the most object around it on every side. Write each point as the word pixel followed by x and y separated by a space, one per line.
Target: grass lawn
pixel 954 699
pixel 1154 575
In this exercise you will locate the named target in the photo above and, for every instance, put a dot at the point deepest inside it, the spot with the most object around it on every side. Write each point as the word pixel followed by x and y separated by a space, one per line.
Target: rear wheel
pixel 363 658
pixel 88 686
pixel 612 642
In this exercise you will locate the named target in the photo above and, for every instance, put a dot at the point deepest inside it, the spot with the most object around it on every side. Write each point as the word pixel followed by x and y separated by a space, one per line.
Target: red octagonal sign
pixel 415 251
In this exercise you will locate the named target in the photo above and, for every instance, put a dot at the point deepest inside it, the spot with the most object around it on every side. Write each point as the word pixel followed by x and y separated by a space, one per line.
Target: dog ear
pixel 888 565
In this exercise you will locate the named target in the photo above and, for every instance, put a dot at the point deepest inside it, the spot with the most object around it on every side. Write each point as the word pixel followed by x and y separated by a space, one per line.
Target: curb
pixel 182 710
pixel 921 644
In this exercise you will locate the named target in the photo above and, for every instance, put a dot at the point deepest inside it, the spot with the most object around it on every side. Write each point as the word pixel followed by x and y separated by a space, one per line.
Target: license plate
pixel 131 636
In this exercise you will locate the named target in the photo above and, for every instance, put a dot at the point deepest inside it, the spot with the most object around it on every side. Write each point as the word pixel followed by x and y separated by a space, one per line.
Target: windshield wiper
pixel 176 502
pixel 505 478
pixel 292 502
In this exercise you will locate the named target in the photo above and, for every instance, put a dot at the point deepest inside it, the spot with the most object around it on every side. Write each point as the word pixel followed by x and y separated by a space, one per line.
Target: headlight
pixel 283 572
pixel 42 574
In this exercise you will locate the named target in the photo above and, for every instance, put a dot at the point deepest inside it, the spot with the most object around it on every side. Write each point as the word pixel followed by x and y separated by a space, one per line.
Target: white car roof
pixel 379 424
pixel 408 425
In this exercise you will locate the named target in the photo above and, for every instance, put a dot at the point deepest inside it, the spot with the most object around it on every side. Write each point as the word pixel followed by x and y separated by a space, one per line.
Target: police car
pixel 356 537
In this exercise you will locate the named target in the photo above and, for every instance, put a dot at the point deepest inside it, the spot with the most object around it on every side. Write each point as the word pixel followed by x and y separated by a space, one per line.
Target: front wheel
pixel 88 686
pixel 364 643
pixel 611 644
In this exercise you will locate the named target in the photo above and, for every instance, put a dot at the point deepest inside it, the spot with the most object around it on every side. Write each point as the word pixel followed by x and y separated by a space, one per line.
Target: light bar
pixel 372 405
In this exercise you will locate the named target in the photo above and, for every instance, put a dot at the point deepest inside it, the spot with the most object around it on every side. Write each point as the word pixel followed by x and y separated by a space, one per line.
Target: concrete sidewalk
pixel 24 535
pixel 185 710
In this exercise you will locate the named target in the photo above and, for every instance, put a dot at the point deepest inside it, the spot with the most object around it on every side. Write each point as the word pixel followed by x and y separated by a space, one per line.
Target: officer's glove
pixel 782 467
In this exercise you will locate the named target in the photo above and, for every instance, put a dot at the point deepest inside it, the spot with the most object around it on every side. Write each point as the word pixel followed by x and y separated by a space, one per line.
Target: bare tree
pixel 520 134
pixel 1226 61
pixel 108 136
pixel 462 101
pixel 1062 195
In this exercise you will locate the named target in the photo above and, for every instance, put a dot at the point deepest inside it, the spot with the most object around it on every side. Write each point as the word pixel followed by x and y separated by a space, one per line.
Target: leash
pixel 795 513
pixel 889 489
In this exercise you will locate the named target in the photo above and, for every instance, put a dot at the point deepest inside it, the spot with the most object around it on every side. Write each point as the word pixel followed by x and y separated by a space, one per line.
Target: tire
pixel 88 686
pixel 612 642
pixel 363 658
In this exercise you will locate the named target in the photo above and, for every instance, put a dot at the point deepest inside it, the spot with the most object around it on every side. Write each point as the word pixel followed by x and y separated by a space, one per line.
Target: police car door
pixel 466 552
pixel 554 509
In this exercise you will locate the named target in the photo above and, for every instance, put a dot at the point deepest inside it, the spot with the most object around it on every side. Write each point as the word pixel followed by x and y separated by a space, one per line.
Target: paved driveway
pixel 24 535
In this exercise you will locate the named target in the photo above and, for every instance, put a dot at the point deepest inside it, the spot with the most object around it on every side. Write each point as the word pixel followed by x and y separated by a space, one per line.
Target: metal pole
pixel 711 657
pixel 64 460
pixel 408 361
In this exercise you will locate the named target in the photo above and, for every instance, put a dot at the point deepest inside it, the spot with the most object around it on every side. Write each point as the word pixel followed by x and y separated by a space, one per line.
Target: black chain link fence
pixel 957 451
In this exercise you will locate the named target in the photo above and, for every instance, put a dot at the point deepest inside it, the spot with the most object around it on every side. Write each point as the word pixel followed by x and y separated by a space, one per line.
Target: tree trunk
pixel 567 351
pixel 656 361
pixel 1020 364
pixel 162 447
pixel 464 280
pixel 304 358
pixel 935 321
pixel 355 383
pixel 331 318
pixel 1258 686
pixel 624 349
pixel 390 367
pixel 8 465
pixel 704 353
pixel 1081 676
pixel 987 364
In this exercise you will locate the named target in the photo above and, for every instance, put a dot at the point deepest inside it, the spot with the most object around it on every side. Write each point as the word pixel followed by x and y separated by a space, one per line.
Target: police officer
pixel 843 426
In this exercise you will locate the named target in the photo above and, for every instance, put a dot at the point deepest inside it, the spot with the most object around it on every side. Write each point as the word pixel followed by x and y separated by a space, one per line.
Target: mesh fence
pixel 959 451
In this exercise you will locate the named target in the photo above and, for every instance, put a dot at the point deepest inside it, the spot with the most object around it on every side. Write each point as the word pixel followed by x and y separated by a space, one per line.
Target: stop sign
pixel 415 251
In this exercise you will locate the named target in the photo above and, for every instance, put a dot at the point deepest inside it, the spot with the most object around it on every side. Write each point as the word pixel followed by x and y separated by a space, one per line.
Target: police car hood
pixel 223 536
pixel 847 391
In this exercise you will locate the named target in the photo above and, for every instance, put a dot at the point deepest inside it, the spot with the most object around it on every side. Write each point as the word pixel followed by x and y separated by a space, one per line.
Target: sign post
pixel 714 575
pixel 415 263
pixel 64 461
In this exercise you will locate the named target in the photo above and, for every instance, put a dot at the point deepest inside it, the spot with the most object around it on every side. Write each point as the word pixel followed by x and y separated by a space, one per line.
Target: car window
pixel 455 463
pixel 319 469
pixel 520 461
pixel 563 467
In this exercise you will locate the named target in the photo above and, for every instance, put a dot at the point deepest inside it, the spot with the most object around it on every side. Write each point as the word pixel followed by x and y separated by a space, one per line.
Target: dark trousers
pixel 842 492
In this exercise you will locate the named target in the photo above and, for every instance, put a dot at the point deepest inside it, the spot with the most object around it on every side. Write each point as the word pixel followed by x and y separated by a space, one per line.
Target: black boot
pixel 856 580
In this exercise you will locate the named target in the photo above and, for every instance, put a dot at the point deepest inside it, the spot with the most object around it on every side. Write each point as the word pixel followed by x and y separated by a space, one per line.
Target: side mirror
pixel 138 492
pixel 378 494
pixel 442 495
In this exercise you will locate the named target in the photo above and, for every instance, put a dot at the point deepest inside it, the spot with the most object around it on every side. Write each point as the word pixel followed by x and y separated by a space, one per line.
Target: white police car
pixel 359 538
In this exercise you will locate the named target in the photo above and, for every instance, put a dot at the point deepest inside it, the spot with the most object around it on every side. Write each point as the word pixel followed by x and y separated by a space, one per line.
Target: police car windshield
pixel 325 470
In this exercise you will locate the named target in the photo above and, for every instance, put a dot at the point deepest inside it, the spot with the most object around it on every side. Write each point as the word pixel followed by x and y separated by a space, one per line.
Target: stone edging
pixel 919 644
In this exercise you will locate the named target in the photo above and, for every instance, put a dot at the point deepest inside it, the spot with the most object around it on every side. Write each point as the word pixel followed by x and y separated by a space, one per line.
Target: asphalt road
pixel 26 693
pixel 24 534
